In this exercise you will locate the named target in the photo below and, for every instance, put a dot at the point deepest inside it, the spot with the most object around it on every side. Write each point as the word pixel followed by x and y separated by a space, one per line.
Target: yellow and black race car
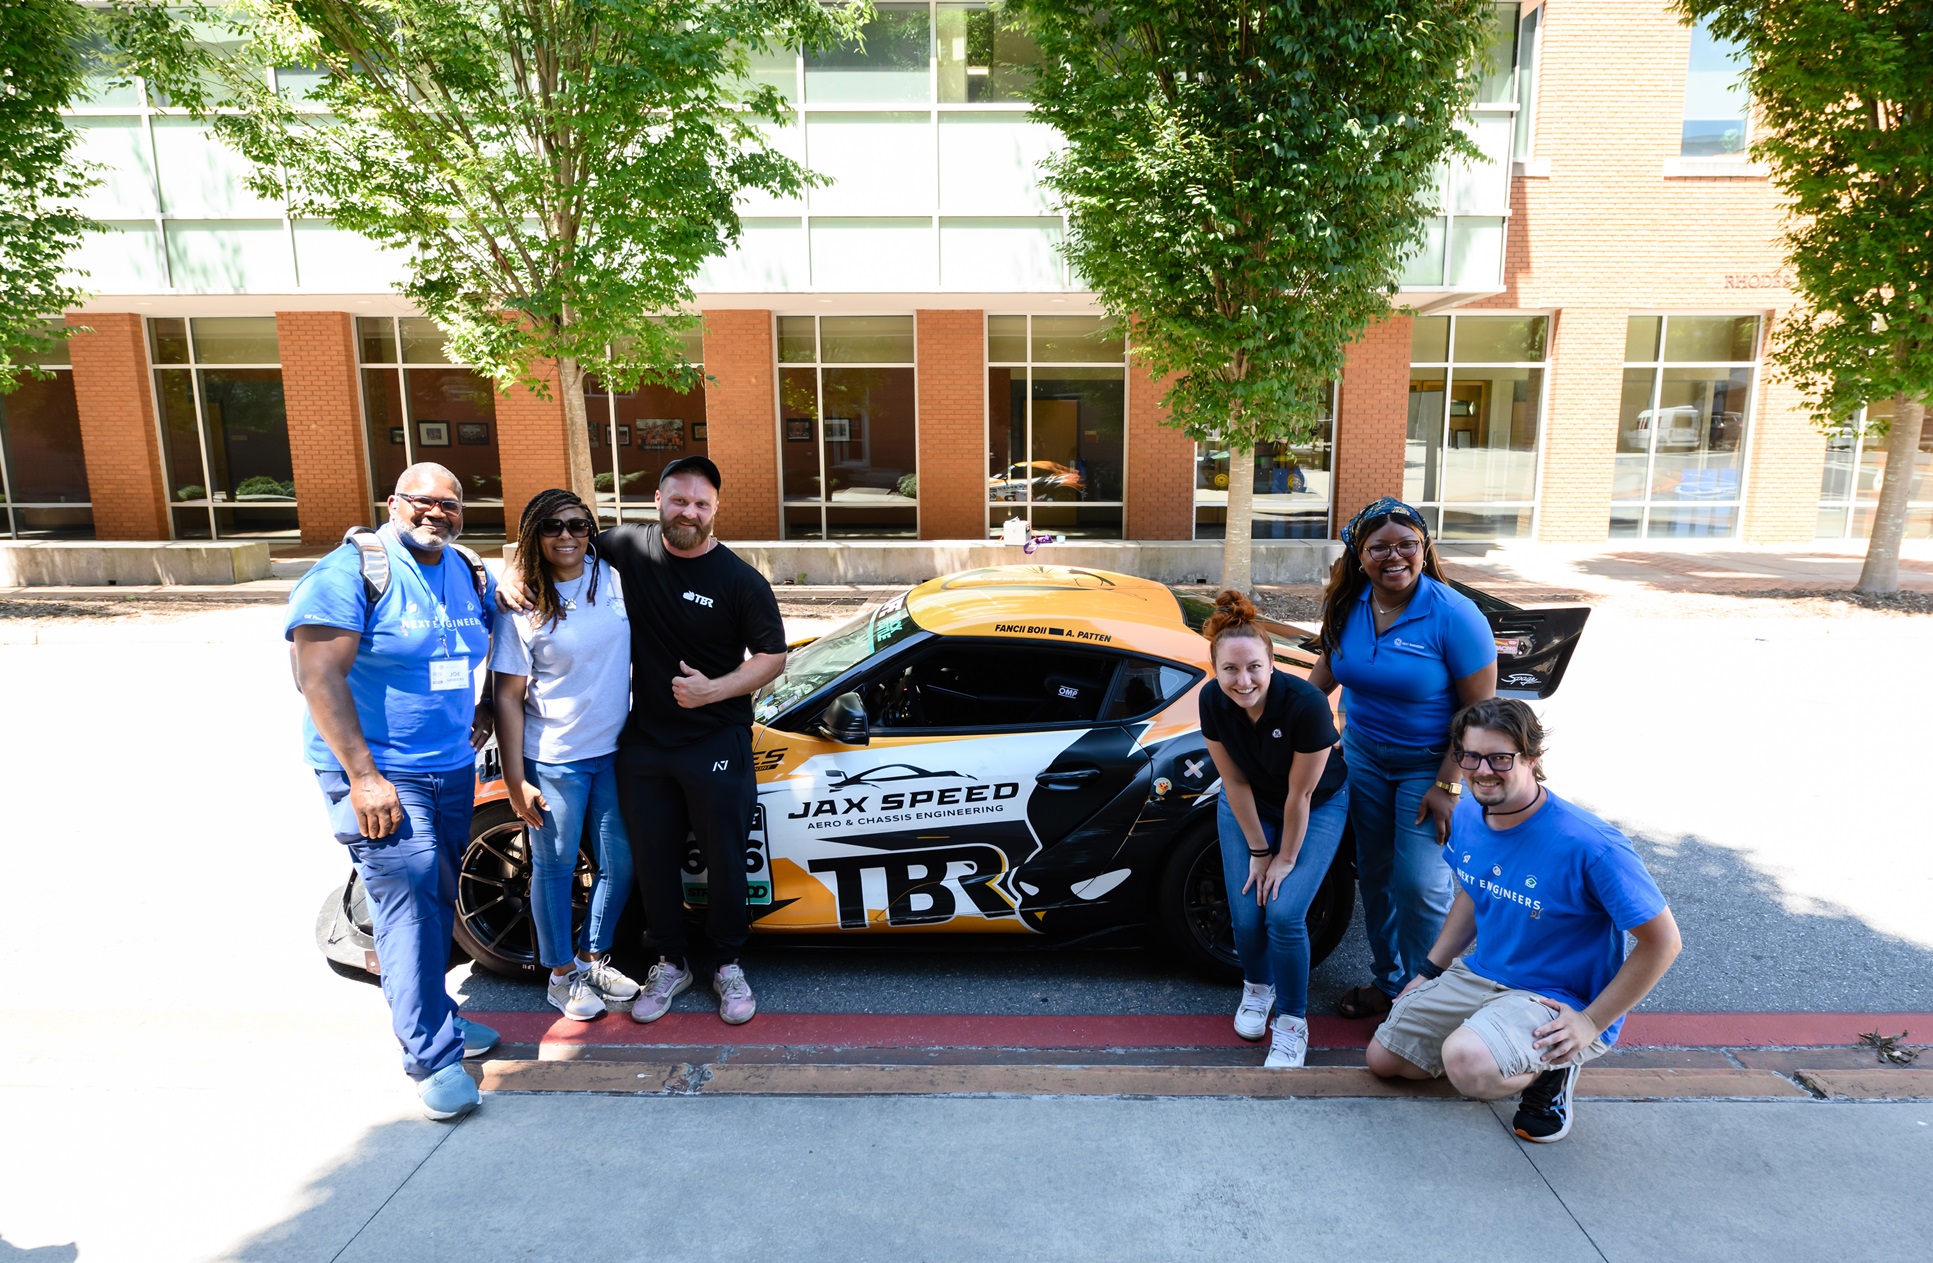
pixel 1010 751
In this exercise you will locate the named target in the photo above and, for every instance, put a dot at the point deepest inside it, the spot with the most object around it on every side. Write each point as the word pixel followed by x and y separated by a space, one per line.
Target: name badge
pixel 449 673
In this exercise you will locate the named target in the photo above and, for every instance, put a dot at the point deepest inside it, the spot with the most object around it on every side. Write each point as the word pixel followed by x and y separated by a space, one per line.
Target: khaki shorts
pixel 1505 1019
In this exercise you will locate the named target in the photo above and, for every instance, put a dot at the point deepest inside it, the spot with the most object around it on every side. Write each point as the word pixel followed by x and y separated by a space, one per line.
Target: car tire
pixel 493 910
pixel 1191 905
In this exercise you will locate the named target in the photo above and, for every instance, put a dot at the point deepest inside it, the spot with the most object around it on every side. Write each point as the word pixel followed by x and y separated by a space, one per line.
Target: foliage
pixel 1844 92
pixel 555 172
pixel 1244 181
pixel 42 68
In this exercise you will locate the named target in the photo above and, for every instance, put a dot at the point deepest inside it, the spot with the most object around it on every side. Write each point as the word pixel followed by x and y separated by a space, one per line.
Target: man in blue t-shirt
pixel 393 721
pixel 1548 891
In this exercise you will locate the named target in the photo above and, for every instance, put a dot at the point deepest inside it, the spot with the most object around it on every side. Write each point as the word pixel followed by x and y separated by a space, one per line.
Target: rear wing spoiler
pixel 1534 647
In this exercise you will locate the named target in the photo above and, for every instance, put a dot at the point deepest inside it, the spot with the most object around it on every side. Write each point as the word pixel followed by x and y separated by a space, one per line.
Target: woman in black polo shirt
pixel 1281 815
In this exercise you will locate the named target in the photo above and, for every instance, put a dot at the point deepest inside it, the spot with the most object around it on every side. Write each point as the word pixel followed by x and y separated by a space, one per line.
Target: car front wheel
pixel 1192 905
pixel 493 908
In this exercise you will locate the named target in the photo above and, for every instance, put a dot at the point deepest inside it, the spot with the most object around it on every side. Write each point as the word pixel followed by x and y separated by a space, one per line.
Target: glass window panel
pixel 41 430
pixel 235 340
pixel 1008 254
pixel 1835 480
pixel 1078 340
pixel 879 164
pixel 1499 81
pixel 382 403
pixel 69 522
pixel 1694 338
pixel 1526 79
pixel 984 55
pixel 1716 522
pixel 866 339
pixel 1870 471
pixel 804 522
pixel 1832 523
pixel 1006 431
pixel 423 341
pixel 168 340
pixel 655 426
pixel 376 339
pixel 989 163
pixel 459 407
pixel 1486 523
pixel 1634 435
pixel 119 146
pixel 1716 103
pixel 890 63
pixel 298 83
pixel 873 255
pixel 127 257
pixel 1425 267
pixel 868 434
pixel 1482 185
pixel 1079 431
pixel 1007 339
pixel 1492 446
pixel 201 175
pixel 1697 433
pixel 1291 497
pixel 853 520
pixel 778 67
pixel 798 339
pixel 1429 339
pixel 180 440
pixel 1424 440
pixel 230 256
pixel 1626 524
pixel 247 431
pixel 1641 337
pixel 1476 251
pixel 1500 339
pixel 799 434
pixel 1075 522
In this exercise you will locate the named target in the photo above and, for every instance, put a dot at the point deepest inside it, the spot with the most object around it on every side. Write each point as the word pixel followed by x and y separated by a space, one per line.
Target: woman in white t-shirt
pixel 563 687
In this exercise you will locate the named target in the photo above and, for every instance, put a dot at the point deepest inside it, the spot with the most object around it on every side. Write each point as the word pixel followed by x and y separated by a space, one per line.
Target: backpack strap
pixel 374 559
pixel 478 575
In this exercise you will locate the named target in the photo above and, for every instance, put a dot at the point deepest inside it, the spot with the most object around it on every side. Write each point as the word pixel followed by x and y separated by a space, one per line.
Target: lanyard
pixel 440 614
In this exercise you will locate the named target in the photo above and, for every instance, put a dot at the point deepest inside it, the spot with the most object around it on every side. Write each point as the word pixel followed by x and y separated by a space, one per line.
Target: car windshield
pixel 811 667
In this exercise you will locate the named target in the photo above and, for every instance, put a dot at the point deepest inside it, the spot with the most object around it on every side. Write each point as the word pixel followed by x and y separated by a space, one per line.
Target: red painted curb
pixel 1192 1030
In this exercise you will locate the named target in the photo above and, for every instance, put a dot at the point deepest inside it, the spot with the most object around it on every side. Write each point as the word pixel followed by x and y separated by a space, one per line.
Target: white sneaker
pixel 611 985
pixel 1290 1048
pixel 574 996
pixel 1252 1015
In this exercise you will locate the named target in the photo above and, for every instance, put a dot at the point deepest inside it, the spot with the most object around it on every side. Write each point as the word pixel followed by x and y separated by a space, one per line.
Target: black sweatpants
pixel 704 787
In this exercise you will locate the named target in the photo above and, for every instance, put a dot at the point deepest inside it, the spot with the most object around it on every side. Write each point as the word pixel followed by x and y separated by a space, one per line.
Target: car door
pixel 979 755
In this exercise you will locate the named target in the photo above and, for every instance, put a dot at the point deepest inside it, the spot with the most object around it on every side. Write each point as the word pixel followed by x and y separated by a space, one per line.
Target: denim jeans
pixel 584 790
pixel 1406 886
pixel 410 878
pixel 1273 942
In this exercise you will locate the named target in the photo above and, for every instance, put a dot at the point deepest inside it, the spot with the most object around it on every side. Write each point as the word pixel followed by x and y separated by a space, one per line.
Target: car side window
pixel 1145 688
pixel 985 686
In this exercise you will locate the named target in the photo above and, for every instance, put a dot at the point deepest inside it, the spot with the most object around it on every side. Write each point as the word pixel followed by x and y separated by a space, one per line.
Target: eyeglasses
pixel 552 527
pixel 1470 760
pixel 426 503
pixel 1381 552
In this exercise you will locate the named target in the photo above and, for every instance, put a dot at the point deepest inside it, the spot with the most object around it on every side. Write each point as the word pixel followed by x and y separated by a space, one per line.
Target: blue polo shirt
pixel 1554 897
pixel 1400 687
pixel 415 702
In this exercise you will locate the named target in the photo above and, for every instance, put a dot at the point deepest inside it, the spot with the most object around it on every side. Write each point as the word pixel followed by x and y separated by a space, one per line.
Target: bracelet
pixel 1429 970
pixel 1254 854
pixel 1453 788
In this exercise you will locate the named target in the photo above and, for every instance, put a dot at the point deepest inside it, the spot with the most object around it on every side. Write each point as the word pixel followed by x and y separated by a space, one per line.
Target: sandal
pixel 1361 1002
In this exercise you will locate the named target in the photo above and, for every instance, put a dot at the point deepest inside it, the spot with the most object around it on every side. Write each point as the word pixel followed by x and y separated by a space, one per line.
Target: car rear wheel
pixel 1192 906
pixel 493 909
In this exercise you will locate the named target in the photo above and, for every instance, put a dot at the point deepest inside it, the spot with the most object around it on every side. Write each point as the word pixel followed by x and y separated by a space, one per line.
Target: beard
pixel 686 535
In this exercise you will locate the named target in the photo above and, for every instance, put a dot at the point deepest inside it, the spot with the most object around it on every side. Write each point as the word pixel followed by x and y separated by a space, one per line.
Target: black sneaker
pixel 1544 1111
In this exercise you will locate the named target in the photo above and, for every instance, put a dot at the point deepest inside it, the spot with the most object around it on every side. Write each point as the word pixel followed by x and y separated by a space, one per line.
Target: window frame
pixel 192 367
pixel 818 364
pixel 988 363
pixel 1433 510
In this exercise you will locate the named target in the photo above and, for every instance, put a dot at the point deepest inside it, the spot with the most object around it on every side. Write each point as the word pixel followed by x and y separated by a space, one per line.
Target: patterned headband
pixel 1390 507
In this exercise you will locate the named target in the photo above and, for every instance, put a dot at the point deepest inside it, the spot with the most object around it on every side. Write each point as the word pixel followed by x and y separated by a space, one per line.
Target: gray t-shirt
pixel 579 670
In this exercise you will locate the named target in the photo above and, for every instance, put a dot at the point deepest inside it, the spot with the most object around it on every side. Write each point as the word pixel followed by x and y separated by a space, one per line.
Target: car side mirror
pixel 845 720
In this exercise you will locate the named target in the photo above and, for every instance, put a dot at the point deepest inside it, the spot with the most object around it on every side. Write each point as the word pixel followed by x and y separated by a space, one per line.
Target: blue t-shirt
pixel 415 706
pixel 1400 687
pixel 1554 897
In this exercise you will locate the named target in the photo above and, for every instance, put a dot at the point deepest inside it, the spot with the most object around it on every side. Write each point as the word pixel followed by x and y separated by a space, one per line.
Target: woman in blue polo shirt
pixel 1409 651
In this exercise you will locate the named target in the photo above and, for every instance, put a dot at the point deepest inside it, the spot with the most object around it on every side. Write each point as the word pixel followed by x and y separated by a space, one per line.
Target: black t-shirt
pixel 1295 720
pixel 705 611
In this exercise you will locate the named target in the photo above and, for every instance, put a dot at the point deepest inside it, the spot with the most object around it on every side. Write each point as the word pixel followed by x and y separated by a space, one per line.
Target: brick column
pixel 1372 417
pixel 319 388
pixel 741 417
pixel 1787 459
pixel 114 396
pixel 1581 425
pixel 1159 488
pixel 952 424
pixel 533 450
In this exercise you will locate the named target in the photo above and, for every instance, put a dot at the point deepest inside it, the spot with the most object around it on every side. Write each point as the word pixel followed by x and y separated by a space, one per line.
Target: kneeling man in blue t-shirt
pixel 1548 892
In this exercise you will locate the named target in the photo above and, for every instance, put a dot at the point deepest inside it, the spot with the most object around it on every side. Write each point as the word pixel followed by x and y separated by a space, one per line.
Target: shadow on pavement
pixel 10 1253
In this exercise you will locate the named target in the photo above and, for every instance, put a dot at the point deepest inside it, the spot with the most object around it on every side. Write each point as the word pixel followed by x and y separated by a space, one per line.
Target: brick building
pixel 902 355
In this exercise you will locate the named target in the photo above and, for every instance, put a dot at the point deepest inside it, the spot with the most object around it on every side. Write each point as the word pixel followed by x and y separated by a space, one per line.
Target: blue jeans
pixel 410 878
pixel 1406 886
pixel 1273 942
pixel 584 790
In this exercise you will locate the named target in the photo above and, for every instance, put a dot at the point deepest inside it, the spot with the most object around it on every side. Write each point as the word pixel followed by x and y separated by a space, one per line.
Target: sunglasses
pixel 426 503
pixel 552 527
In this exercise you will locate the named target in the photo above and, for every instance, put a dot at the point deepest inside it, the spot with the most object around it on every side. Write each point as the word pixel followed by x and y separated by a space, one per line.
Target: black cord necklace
pixel 1531 805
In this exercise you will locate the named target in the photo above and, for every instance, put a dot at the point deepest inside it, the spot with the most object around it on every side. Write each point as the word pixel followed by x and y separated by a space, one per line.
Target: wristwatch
pixel 1452 788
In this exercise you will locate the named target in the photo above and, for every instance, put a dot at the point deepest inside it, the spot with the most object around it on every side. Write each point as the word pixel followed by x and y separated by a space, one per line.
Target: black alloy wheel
pixel 1192 905
pixel 493 909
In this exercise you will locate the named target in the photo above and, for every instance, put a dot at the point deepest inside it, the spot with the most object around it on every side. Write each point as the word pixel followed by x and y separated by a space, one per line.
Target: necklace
pixel 1516 811
pixel 1394 609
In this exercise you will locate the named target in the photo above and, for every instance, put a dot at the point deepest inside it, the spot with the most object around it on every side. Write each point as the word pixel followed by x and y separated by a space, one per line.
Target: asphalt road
pixel 1769 768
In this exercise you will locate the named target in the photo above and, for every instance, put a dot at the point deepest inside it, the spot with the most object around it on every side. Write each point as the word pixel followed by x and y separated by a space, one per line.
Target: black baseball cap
pixel 693 465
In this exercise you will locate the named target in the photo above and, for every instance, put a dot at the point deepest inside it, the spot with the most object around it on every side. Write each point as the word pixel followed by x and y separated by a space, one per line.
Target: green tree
pixel 42 68
pixel 554 171
pixel 1843 90
pixel 1243 183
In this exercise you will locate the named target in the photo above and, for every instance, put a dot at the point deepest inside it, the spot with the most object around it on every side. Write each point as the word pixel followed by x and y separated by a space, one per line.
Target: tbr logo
pixel 705 601
pixel 920 885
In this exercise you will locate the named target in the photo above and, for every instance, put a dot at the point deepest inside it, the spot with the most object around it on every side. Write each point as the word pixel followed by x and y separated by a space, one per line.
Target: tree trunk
pixel 577 434
pixel 1880 575
pixel 1241 512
